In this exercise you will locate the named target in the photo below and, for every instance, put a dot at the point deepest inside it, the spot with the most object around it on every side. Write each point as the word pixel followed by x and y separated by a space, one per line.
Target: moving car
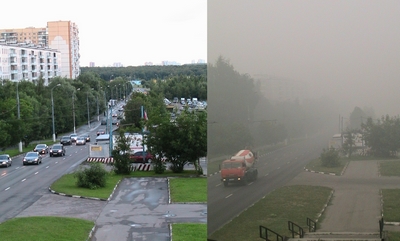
pixel 80 140
pixel 41 149
pixel 66 140
pixel 73 137
pixel 57 150
pixel 5 160
pixel 87 137
pixel 101 132
pixel 137 157
pixel 104 121
pixel 32 158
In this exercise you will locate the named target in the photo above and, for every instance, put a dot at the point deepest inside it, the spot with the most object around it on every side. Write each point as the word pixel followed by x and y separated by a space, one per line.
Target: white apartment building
pixel 29 62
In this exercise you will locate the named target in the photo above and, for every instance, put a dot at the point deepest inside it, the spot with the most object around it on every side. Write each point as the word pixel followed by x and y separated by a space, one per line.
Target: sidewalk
pixel 356 205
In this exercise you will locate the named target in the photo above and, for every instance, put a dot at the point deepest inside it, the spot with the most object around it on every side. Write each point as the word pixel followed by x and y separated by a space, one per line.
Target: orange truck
pixel 240 168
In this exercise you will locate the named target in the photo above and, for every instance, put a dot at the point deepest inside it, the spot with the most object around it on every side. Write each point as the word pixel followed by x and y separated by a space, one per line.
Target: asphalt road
pixel 274 170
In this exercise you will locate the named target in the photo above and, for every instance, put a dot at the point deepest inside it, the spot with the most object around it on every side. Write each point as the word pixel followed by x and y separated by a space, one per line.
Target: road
pixel 275 169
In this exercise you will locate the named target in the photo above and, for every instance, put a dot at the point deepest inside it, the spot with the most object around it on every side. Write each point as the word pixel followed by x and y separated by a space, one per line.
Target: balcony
pixel 14 71
pixel 13 55
pixel 13 63
pixel 25 70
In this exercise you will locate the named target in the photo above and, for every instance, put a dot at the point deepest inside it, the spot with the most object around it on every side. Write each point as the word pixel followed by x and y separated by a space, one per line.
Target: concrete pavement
pixel 356 204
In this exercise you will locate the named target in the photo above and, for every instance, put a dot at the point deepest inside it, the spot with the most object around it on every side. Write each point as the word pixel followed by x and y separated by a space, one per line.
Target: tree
pixel 180 142
pixel 121 154
pixel 349 142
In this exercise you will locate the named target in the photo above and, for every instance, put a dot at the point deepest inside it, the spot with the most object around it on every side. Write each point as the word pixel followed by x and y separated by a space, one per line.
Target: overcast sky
pixel 345 49
pixel 129 32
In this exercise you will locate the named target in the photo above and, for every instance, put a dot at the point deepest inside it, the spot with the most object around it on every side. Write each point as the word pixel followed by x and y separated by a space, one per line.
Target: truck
pixel 240 168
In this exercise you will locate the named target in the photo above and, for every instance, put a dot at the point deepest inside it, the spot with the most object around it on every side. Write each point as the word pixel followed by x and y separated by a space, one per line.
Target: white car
pixel 80 140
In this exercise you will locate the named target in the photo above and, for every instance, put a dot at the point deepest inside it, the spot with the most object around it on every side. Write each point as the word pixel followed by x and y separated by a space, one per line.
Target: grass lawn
pixel 390 168
pixel 66 184
pixel 391 208
pixel 289 203
pixel 316 165
pixel 188 189
pixel 189 231
pixel 45 228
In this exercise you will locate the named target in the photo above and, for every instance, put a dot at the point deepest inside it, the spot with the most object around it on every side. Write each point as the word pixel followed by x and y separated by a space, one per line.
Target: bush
pixel 159 166
pixel 93 177
pixel 330 157
pixel 122 163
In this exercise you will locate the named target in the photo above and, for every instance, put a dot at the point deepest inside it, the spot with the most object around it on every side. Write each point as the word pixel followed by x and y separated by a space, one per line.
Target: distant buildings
pixel 91 64
pixel 59 39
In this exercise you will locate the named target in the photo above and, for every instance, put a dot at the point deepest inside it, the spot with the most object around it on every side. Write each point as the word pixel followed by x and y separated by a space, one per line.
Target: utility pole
pixel 19 118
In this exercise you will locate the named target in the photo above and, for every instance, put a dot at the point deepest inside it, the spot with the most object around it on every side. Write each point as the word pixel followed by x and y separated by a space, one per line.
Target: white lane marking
pixel 266 174
pixel 229 195
pixel 6 188
pixel 47 166
pixel 23 180
pixel 36 173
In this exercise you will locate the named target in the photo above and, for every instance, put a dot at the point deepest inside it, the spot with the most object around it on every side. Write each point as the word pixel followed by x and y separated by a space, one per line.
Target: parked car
pixel 73 137
pixel 41 149
pixel 57 150
pixel 101 132
pixel 80 140
pixel 137 157
pixel 65 140
pixel 87 137
pixel 5 160
pixel 32 158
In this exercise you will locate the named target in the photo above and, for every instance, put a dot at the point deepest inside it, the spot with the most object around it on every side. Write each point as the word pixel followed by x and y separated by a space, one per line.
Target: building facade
pixel 59 35
pixel 29 62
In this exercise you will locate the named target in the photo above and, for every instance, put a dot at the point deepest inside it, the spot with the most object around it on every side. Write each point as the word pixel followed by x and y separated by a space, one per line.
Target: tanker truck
pixel 240 168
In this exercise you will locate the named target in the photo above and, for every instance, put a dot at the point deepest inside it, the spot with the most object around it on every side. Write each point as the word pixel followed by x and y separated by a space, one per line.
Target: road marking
pixel 229 195
pixel 249 183
pixel 266 174
pixel 7 189
pixel 36 173
pixel 47 166
pixel 278 168
pixel 23 180
pixel 218 184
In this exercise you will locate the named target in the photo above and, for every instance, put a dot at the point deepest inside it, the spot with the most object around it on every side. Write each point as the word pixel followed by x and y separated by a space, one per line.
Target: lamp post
pixel 52 112
pixel 19 118
pixel 73 107
pixel 87 101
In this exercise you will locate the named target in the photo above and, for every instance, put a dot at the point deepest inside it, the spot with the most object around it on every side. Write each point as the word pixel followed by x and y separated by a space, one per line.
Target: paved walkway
pixel 356 205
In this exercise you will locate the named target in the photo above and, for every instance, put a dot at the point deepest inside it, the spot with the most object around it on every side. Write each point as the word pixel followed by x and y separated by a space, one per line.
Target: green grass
pixel 391 208
pixel 15 152
pixel 66 184
pixel 189 232
pixel 289 203
pixel 316 165
pixel 45 228
pixel 390 168
pixel 188 189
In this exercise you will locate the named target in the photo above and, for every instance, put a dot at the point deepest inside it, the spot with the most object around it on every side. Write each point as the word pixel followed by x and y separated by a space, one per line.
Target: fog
pixel 346 50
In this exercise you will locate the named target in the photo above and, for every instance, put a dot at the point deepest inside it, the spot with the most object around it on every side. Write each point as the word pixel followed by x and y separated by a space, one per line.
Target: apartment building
pixel 58 35
pixel 28 62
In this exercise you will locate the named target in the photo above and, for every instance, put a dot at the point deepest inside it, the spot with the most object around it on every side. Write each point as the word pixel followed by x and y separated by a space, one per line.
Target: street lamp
pixel 73 106
pixel 52 112
pixel 19 118
pixel 87 101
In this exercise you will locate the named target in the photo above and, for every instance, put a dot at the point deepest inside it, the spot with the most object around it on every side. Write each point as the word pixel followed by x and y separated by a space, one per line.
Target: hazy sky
pixel 129 32
pixel 349 50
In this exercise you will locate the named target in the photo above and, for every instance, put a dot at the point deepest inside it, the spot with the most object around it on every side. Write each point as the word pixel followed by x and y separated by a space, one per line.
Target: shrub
pixel 93 177
pixel 330 157
pixel 159 166
pixel 122 163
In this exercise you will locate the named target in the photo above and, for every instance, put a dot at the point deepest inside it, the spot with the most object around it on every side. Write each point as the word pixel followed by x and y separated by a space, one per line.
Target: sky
pixel 347 50
pixel 119 31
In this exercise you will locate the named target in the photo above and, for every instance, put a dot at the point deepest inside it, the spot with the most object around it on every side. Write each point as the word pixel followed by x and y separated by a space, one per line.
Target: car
pixel 41 149
pixel 104 121
pixel 32 158
pixel 114 115
pixel 65 140
pixel 101 132
pixel 57 150
pixel 80 140
pixel 137 157
pixel 73 137
pixel 115 122
pixel 87 137
pixel 5 160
